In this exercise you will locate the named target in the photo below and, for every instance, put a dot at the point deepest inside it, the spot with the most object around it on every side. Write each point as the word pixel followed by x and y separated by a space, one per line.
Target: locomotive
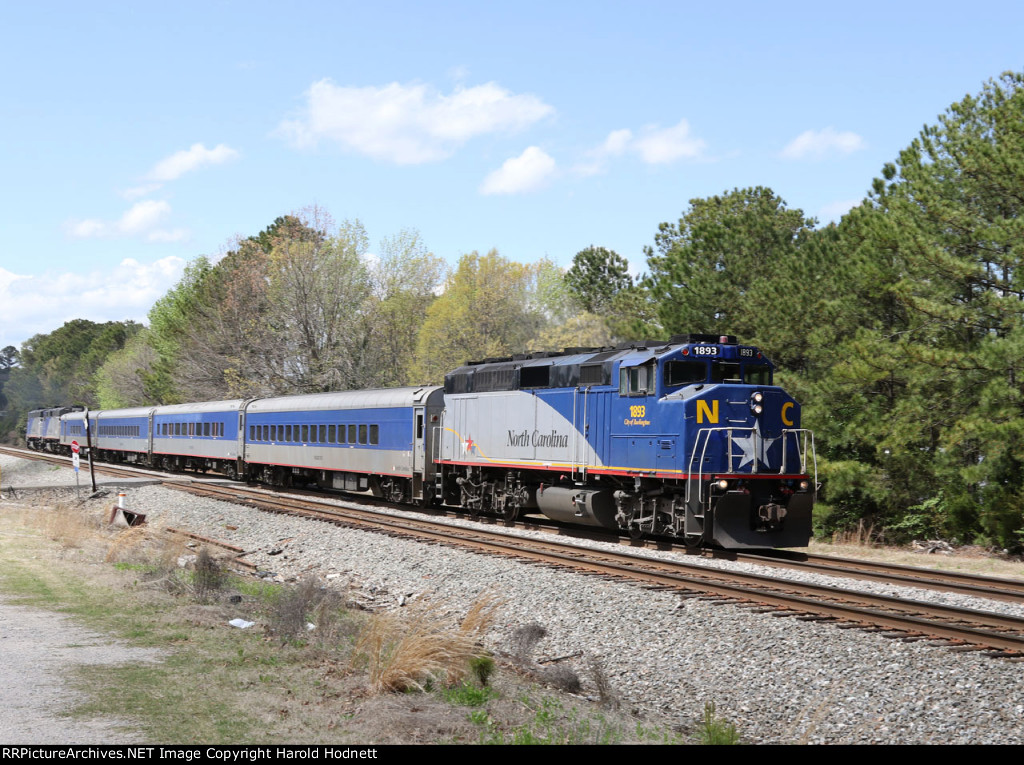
pixel 687 438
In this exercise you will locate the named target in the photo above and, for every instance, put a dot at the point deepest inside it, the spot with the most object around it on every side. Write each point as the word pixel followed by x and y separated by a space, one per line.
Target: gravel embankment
pixel 780 680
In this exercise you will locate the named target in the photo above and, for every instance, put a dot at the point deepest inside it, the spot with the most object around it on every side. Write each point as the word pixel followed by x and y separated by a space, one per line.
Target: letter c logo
pixel 785 418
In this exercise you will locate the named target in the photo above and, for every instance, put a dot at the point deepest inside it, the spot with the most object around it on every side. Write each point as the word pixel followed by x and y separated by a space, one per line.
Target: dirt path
pixel 37 649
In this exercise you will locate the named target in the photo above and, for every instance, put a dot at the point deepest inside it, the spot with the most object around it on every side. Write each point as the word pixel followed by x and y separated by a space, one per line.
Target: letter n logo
pixel 703 411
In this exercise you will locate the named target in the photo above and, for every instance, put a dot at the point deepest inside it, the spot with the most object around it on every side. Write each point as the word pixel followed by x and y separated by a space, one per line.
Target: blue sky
pixel 135 137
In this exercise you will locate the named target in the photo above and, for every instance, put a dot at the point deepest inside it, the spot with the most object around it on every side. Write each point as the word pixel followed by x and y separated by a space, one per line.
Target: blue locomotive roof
pixel 589 366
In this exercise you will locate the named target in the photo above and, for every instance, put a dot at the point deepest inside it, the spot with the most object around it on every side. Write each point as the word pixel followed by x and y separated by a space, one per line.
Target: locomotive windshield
pixel 690 372
pixel 757 374
pixel 685 372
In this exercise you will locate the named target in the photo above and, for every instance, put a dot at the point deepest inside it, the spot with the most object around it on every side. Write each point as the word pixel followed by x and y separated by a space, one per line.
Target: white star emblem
pixel 753 446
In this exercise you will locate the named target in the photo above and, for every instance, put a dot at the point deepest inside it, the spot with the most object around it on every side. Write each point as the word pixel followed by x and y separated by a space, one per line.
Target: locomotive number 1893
pixel 637 411
pixel 705 350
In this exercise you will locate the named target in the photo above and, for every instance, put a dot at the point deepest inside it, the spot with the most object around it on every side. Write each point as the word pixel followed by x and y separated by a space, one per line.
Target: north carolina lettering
pixel 552 440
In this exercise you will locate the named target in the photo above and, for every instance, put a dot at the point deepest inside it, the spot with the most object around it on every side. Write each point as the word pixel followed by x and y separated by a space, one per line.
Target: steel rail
pixel 800 598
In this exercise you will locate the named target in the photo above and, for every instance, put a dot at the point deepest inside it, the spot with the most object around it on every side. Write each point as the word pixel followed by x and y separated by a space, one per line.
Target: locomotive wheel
pixel 636 533
pixel 693 541
pixel 510 513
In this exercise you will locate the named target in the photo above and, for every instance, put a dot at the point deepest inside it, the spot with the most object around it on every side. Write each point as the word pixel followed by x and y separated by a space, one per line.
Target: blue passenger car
pixel 205 436
pixel 376 440
pixel 122 435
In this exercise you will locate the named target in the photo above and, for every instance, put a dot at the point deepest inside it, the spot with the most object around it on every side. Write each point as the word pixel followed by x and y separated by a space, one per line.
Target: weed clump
pixel 715 731
pixel 413 651
pixel 71 528
pixel 209 576
pixel 482 668
pixel 524 641
pixel 311 614
pixel 607 697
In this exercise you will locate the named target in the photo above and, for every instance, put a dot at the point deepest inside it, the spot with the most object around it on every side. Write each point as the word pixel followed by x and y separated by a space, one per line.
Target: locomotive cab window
pixel 637 381
pixel 685 373
pixel 757 374
pixel 727 372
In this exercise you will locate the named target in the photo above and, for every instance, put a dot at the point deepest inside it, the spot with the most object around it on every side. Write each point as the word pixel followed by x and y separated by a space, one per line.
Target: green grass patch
pixel 468 695
pixel 715 731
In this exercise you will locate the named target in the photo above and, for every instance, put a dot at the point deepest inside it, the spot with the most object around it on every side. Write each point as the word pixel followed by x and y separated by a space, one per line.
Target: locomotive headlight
pixel 722 484
pixel 757 403
pixel 805 485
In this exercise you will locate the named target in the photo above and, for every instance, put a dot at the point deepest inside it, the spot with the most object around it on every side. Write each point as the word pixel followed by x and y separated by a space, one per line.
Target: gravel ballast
pixel 779 680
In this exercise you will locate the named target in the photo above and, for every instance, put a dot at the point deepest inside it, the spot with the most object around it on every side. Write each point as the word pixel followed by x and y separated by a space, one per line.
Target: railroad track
pixel 908 619
pixel 905 618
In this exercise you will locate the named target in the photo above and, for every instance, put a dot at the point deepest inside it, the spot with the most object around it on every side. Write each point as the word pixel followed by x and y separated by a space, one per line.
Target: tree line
pixel 899 328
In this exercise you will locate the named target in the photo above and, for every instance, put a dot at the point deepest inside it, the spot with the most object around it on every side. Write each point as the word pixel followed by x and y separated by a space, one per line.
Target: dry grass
pixel 70 527
pixel 420 647
pixel 315 617
pixel 976 562
pixel 128 546
pixel 605 693
pixel 863 536
pixel 523 642
pixel 209 576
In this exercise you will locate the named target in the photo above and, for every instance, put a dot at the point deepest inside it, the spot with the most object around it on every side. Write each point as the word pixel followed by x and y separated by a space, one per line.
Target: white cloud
pixel 143 216
pixel 33 304
pixel 816 144
pixel 85 229
pixel 657 146
pixel 408 124
pixel 836 210
pixel 654 146
pixel 141 219
pixel 527 172
pixel 185 161
pixel 617 142
pixel 141 191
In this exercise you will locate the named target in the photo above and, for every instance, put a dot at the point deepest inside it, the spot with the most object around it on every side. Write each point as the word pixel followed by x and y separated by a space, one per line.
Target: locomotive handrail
pixel 706 434
pixel 801 451
pixel 579 464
